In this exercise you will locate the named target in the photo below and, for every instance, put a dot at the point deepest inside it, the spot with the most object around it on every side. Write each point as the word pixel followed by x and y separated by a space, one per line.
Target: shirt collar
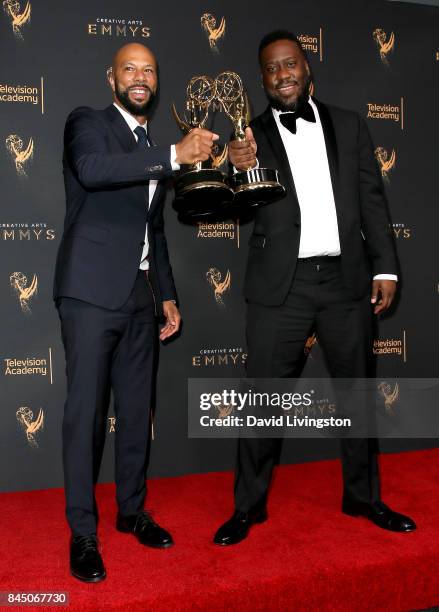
pixel 132 122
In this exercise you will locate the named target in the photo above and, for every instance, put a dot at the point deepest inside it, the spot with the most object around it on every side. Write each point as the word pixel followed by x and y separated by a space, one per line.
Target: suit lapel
pixel 331 146
pixel 121 129
pixel 277 147
pixel 128 143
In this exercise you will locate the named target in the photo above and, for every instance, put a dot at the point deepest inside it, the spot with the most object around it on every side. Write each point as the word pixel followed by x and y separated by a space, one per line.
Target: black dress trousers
pixel 276 336
pixel 107 350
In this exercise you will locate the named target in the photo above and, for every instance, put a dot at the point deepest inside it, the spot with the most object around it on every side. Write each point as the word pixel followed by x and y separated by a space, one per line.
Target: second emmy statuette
pixel 253 186
pixel 201 189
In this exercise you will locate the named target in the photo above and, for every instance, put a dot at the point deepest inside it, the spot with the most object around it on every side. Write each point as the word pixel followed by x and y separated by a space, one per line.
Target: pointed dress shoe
pixel 381 515
pixel 145 529
pixel 237 527
pixel 85 560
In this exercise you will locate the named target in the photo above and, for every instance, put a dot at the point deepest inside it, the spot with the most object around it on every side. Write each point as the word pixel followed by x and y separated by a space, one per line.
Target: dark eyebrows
pixel 131 63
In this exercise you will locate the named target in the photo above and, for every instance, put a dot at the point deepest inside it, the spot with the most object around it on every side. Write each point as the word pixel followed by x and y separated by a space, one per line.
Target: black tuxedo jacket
pixel 366 239
pixel 106 181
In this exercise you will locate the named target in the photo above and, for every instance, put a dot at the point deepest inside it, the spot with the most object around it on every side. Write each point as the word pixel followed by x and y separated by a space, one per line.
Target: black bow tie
pixel 305 111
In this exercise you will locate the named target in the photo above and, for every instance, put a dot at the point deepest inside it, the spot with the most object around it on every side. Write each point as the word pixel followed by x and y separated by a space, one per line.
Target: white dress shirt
pixel 132 124
pixel 308 159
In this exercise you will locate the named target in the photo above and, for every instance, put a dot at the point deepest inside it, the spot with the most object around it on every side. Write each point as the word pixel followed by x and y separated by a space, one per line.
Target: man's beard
pixel 138 110
pixel 283 107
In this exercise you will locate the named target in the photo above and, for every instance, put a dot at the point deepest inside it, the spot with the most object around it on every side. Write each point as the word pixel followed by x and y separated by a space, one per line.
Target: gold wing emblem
pixel 208 22
pixel 35 425
pixel 23 156
pixel 18 282
pixel 25 418
pixel 389 164
pixel 219 32
pixel 14 144
pixel 224 410
pixel 18 19
pixel 388 45
pixel 220 286
pixel 27 292
pixel 385 46
pixel 386 163
pixel 182 123
pixel 390 396
pixel 218 160
pixel 309 344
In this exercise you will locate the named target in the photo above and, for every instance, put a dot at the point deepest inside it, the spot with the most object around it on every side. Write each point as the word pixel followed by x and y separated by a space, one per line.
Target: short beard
pixel 138 110
pixel 294 106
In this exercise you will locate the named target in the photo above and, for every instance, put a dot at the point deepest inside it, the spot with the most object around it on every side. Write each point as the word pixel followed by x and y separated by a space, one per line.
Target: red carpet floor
pixel 308 556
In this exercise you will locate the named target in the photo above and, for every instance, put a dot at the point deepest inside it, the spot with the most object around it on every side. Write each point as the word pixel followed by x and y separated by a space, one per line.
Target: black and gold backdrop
pixel 378 58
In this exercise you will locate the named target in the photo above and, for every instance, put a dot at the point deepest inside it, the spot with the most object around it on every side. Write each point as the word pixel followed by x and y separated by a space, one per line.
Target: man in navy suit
pixel 321 259
pixel 113 281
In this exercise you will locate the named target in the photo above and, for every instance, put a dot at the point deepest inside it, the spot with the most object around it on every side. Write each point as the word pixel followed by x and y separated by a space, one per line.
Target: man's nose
pixel 139 76
pixel 284 73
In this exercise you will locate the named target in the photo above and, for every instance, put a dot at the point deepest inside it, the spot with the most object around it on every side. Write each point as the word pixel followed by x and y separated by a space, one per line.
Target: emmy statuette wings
pixel 201 189
pixel 251 187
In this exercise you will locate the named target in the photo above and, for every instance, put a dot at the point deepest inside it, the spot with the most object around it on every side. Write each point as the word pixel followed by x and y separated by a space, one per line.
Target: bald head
pixel 133 51
pixel 133 79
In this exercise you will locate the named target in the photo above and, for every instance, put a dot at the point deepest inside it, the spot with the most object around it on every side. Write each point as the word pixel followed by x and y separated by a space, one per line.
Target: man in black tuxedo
pixel 113 281
pixel 313 255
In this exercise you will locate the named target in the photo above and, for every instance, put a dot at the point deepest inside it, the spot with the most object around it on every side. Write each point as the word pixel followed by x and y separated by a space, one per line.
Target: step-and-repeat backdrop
pixel 380 59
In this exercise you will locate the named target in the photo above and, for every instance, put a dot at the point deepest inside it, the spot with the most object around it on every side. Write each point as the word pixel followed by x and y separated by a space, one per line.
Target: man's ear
pixel 308 70
pixel 110 78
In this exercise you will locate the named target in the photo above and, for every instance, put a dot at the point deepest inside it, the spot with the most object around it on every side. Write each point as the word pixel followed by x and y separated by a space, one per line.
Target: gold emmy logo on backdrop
pixel 111 424
pixel 218 160
pixel 12 8
pixel 214 276
pixel 208 23
pixel 390 395
pixel 24 293
pixel 385 46
pixel 224 410
pixel 31 428
pixel 309 344
pixel 20 155
pixel 385 162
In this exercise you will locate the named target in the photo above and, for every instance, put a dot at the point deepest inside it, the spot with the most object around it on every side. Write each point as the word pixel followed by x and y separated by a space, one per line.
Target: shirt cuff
pixel 235 170
pixel 386 277
pixel 174 164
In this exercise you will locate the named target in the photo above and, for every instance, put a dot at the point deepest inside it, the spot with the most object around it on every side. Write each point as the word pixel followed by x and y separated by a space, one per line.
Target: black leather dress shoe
pixel 381 515
pixel 85 560
pixel 236 528
pixel 145 529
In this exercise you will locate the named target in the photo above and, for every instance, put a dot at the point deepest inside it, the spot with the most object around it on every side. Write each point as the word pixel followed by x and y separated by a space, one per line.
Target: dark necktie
pixel 143 142
pixel 142 136
pixel 305 111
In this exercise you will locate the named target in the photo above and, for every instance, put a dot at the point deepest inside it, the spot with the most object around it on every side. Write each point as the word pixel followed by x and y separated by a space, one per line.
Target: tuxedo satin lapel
pixel 331 146
pixel 121 129
pixel 277 147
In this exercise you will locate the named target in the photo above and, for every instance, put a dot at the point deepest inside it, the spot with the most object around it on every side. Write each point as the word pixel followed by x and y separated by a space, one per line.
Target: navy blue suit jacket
pixel 106 181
